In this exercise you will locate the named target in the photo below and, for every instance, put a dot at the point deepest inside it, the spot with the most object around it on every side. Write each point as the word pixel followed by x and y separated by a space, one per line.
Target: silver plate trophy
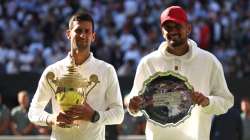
pixel 71 89
pixel 167 99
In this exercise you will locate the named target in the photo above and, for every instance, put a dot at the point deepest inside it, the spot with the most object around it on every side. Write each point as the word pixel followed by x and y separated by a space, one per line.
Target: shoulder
pixel 153 56
pixel 103 66
pixel 201 55
pixel 15 110
pixel 207 56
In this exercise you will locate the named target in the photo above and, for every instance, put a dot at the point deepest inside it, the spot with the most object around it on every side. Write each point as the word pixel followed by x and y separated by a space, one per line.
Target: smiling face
pixel 81 34
pixel 176 34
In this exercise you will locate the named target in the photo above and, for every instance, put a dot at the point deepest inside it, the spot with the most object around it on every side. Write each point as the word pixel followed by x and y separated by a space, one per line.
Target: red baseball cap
pixel 175 14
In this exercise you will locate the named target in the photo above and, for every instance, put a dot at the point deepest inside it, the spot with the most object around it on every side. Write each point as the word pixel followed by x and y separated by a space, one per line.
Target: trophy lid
pixel 72 79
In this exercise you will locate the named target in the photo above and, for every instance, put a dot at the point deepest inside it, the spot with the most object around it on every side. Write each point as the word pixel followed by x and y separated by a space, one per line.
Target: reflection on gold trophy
pixel 71 89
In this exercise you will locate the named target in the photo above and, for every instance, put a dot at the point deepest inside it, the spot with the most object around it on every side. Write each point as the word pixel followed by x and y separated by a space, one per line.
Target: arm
pixel 220 99
pixel 43 94
pixel 115 112
pixel 134 100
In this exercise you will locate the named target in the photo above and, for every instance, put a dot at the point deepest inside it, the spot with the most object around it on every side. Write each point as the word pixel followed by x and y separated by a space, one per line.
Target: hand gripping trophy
pixel 71 89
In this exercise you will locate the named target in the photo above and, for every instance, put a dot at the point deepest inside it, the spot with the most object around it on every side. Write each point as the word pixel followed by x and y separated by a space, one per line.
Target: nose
pixel 173 30
pixel 83 35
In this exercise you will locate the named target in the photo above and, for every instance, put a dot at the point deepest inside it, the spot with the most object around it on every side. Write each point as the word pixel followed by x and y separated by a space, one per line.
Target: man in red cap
pixel 181 55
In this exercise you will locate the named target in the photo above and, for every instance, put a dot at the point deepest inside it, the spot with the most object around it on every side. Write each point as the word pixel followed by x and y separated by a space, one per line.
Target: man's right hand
pixel 135 104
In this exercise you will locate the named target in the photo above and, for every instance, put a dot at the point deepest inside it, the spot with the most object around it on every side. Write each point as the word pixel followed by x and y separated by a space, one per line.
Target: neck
pixel 178 51
pixel 81 56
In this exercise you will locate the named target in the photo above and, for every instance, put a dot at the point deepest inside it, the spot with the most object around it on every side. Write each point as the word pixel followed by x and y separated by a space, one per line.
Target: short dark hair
pixel 245 98
pixel 81 16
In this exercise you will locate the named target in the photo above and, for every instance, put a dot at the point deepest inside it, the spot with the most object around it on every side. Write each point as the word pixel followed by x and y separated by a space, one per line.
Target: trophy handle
pixel 93 78
pixel 50 77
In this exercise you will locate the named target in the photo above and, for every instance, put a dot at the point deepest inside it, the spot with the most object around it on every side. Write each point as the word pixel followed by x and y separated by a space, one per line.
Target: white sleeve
pixel 140 77
pixel 220 99
pixel 115 112
pixel 37 113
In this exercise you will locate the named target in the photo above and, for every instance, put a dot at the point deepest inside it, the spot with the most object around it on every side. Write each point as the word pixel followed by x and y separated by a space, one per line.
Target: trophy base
pixel 75 124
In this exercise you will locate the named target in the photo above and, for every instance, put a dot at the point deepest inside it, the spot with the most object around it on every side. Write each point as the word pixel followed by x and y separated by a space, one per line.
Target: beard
pixel 176 42
pixel 83 45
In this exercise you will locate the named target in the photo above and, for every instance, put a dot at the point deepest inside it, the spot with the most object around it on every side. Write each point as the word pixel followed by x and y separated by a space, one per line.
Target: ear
pixel 68 34
pixel 163 32
pixel 189 29
pixel 93 37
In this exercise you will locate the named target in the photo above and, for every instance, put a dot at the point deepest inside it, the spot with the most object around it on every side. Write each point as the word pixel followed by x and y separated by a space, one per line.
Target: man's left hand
pixel 80 112
pixel 200 99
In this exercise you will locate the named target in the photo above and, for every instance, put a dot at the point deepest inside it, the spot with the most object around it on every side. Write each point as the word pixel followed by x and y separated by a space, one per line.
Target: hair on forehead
pixel 81 16
pixel 22 92
pixel 245 98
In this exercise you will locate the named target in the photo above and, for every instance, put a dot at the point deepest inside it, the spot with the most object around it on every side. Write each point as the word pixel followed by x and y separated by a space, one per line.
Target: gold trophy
pixel 71 89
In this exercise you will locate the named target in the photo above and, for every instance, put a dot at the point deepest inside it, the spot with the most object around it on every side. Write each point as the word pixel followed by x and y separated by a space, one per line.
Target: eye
pixel 178 27
pixel 87 31
pixel 78 31
pixel 170 27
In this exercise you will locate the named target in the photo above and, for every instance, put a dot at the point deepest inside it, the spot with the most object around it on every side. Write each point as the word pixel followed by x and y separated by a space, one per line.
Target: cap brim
pixel 173 20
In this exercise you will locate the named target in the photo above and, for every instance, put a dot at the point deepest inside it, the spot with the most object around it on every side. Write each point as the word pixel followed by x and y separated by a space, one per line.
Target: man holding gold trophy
pixel 179 87
pixel 84 91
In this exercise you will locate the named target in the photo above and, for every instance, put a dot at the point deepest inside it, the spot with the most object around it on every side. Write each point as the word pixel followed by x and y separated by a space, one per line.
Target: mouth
pixel 82 42
pixel 174 37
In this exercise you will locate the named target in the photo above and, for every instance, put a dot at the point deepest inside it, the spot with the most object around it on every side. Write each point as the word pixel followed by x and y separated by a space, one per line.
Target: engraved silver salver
pixel 167 99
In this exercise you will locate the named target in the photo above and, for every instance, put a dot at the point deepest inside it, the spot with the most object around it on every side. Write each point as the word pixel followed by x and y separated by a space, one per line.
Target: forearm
pixel 220 98
pixel 38 116
pixel 140 77
pixel 43 95
pixel 114 115
pixel 115 112
pixel 219 105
